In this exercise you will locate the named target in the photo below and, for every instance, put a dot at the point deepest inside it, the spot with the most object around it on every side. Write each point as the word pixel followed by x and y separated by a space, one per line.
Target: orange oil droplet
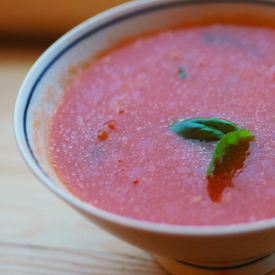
pixel 102 135
pixel 121 111
pixel 111 124
pixel 201 64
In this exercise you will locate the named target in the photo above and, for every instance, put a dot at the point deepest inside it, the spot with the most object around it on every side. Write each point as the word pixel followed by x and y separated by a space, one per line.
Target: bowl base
pixel 260 266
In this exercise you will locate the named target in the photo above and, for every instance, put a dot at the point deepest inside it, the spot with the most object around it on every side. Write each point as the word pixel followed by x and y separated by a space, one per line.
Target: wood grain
pixel 53 260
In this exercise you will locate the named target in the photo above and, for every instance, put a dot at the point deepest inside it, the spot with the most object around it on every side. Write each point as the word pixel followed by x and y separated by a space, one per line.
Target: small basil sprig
pixel 182 73
pixel 212 129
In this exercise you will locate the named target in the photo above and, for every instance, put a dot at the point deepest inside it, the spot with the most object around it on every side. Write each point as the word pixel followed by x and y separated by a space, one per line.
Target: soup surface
pixel 110 142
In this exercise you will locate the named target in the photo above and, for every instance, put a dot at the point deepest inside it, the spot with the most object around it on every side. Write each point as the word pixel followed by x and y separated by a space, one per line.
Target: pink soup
pixel 110 142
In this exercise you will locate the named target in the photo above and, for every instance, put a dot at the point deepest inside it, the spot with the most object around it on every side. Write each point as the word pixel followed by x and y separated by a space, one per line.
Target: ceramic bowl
pixel 214 247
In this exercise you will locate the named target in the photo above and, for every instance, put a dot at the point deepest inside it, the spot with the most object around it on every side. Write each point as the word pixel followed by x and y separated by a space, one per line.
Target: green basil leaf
pixel 231 139
pixel 208 129
pixel 231 165
pixel 182 73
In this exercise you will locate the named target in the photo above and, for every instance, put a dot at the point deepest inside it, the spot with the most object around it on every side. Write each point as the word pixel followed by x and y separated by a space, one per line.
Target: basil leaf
pixel 232 164
pixel 182 73
pixel 208 129
pixel 231 139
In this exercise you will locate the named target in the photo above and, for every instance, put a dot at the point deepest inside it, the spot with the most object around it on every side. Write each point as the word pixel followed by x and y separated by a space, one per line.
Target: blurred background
pixel 41 21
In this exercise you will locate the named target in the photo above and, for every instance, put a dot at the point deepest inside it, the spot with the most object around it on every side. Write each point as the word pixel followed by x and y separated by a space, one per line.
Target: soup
pixel 111 143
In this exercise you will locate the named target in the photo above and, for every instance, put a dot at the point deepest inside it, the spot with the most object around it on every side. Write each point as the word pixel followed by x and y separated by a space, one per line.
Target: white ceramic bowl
pixel 213 246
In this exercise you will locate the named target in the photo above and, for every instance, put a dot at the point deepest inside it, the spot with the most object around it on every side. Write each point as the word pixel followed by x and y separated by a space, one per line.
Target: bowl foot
pixel 260 266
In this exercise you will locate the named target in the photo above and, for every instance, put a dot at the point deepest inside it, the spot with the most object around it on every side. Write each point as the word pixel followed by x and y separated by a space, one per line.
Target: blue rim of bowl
pixel 144 225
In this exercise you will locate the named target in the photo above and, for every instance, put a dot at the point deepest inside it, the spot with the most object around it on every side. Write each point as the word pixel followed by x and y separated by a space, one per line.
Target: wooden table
pixel 39 233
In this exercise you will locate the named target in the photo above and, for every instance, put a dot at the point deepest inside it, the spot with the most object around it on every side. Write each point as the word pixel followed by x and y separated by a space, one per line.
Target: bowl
pixel 235 249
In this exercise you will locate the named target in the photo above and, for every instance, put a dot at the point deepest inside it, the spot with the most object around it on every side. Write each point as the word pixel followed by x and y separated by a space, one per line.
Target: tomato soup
pixel 109 137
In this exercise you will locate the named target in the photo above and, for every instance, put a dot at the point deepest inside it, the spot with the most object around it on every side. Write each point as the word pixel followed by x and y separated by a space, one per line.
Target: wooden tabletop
pixel 39 233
